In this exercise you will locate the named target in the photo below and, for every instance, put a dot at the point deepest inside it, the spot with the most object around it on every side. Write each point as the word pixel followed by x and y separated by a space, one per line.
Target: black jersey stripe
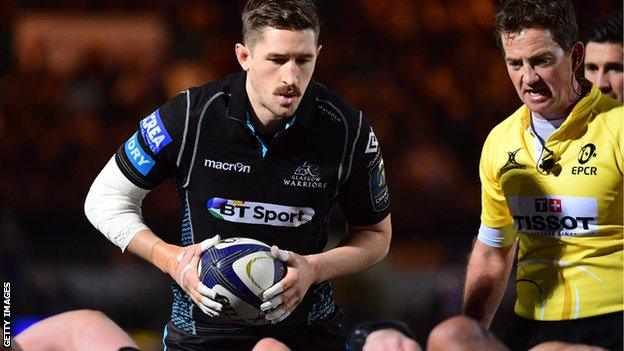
pixel 357 136
pixel 346 142
pixel 198 133
pixel 186 124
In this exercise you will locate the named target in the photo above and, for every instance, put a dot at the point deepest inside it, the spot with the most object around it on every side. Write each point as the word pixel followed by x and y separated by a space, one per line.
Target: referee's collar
pixel 238 103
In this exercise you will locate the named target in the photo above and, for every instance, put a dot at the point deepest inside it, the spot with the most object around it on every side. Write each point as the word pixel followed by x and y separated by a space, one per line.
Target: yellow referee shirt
pixel 568 221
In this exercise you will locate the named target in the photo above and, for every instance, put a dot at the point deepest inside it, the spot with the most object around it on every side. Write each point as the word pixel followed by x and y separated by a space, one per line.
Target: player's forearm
pixel 486 279
pixel 361 249
pixel 151 248
pixel 482 297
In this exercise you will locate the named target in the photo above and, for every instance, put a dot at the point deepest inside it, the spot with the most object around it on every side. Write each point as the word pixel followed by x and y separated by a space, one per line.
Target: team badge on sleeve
pixel 372 145
pixel 378 187
pixel 154 132
pixel 141 161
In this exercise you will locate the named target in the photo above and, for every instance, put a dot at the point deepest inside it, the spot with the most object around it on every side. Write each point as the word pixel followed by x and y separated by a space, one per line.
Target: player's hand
pixel 283 297
pixel 185 273
pixel 389 340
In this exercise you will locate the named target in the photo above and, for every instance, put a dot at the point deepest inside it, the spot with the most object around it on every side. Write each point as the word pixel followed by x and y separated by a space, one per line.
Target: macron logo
pixel 227 166
pixel 154 132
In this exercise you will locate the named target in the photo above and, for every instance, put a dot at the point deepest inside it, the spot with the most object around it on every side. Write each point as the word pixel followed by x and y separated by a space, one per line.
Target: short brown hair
pixel 606 30
pixel 280 14
pixel 556 16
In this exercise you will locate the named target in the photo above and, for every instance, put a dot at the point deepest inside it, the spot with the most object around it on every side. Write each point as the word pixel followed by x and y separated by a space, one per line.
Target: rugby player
pixel 264 153
pixel 551 177
pixel 380 340
pixel 604 56
pixel 74 330
pixel 460 333
pixel 383 335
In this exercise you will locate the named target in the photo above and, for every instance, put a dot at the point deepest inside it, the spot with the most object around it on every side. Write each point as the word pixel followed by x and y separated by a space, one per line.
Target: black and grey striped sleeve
pixel 150 155
pixel 364 196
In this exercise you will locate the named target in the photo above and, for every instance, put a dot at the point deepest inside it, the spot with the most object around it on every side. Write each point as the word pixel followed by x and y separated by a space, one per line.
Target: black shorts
pixel 604 330
pixel 328 335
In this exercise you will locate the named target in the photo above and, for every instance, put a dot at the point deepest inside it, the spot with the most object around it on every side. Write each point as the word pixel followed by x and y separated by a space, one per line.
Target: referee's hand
pixel 283 297
pixel 185 272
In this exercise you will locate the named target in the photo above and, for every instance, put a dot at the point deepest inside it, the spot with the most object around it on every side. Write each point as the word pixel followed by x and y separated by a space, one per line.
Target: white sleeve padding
pixel 497 237
pixel 113 205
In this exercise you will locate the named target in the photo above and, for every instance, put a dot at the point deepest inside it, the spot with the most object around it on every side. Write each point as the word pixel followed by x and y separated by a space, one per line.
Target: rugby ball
pixel 239 270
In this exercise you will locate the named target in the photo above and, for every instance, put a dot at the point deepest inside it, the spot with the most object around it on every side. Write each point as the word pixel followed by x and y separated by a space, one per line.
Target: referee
pixel 551 177
pixel 265 154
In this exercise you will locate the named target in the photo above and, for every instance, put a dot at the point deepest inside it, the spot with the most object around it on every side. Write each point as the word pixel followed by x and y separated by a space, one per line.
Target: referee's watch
pixel 364 329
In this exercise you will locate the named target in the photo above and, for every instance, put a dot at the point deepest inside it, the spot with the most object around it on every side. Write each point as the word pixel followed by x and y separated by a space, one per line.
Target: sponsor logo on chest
pixel 237 167
pixel 555 216
pixel 586 154
pixel 308 175
pixel 240 211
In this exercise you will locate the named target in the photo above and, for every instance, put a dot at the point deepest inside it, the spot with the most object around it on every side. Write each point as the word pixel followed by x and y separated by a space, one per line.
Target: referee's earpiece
pixel 576 60
pixel 577 56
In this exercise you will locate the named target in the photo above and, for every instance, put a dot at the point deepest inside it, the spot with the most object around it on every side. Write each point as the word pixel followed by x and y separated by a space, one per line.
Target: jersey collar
pixel 237 108
pixel 574 122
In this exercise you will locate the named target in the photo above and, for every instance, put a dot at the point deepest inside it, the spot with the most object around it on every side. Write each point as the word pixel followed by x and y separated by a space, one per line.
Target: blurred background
pixel 76 76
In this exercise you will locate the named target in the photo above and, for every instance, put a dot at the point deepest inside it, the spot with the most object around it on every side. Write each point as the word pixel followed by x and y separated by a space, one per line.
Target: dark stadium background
pixel 77 75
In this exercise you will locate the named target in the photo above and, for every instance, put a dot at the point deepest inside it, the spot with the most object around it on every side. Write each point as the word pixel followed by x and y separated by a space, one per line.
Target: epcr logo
pixel 587 152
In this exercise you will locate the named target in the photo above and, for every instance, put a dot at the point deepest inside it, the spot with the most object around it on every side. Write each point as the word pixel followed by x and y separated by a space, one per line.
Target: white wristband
pixel 497 237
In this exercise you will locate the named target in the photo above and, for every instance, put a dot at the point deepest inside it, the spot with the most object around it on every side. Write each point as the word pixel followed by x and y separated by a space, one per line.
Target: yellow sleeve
pixel 617 120
pixel 614 123
pixel 494 210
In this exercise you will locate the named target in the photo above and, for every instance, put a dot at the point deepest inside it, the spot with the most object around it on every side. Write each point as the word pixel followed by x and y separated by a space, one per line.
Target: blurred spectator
pixel 604 55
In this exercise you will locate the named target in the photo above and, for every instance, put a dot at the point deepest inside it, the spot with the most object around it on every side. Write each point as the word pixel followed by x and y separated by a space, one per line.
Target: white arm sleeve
pixel 113 205
pixel 497 237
